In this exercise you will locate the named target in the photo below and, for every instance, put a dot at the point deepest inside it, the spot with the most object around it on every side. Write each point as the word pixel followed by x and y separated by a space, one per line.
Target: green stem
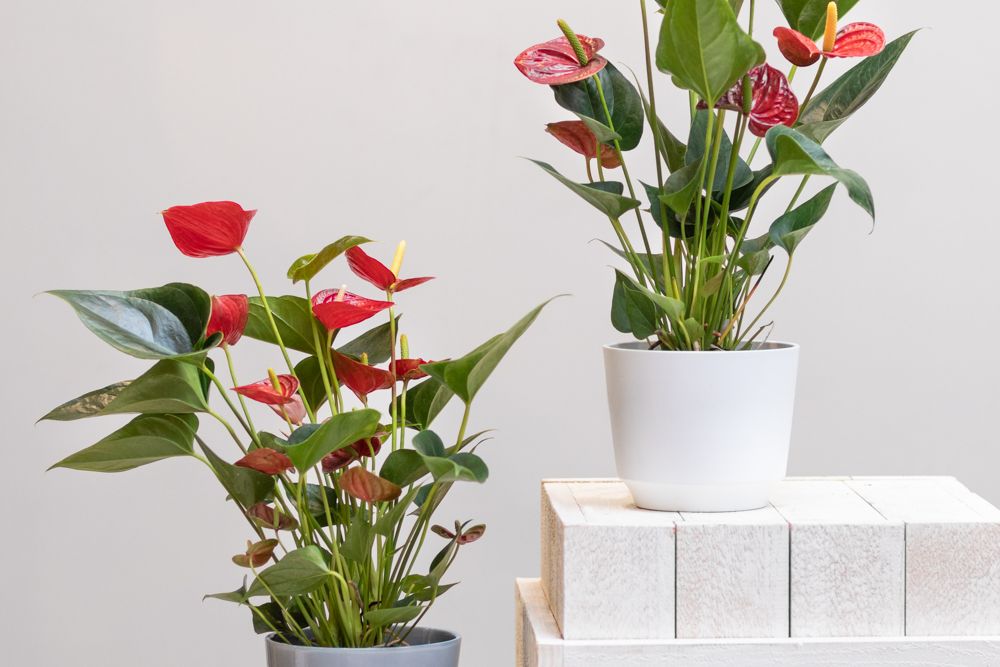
pixel 251 429
pixel 321 356
pixel 774 297
pixel 393 407
pixel 812 88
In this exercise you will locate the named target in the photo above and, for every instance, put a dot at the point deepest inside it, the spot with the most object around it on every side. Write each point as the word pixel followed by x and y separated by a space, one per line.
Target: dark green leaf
pixel 145 439
pixel 830 108
pixel 380 618
pixel 315 505
pixel 403 467
pixel 670 147
pixel 704 48
pixel 357 546
pixel 602 132
pixel 696 150
pixel 311 378
pixel 611 204
pixel 293 316
pixel 809 16
pixel 614 187
pixel 388 520
pixel 793 153
pixel 191 305
pixel 425 401
pixel 299 572
pixel 788 231
pixel 307 266
pixel 336 433
pixel 169 387
pixel 621 96
pixel 466 375
pixel 376 343
pixel 680 189
pixel 755 254
pixel 740 199
pixel 248 487
pixel 428 443
pixel 239 596
pixel 631 312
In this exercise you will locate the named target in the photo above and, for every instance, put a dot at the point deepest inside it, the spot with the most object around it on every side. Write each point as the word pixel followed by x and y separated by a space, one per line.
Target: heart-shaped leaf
pixel 145 439
pixel 299 572
pixel 622 98
pixel 465 376
pixel 610 204
pixel 307 266
pixel 341 430
pixel 704 48
pixel 248 487
pixel 788 230
pixel 366 486
pixel 293 317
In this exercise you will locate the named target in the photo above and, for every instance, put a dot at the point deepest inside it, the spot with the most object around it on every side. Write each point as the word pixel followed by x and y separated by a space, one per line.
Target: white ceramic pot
pixel 701 431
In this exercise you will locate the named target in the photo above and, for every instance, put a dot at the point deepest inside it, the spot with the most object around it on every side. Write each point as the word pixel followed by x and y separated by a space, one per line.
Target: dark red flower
pixel 337 309
pixel 266 460
pixel 378 274
pixel 463 537
pixel 338 459
pixel 229 317
pixel 368 446
pixel 360 378
pixel 554 62
pixel 265 516
pixel 576 135
pixel 773 102
pixel 256 554
pixel 854 40
pixel 208 229
pixel 263 391
pixel 408 369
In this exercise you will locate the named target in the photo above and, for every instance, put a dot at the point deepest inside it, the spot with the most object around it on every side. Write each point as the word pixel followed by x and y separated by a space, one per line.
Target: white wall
pixel 397 119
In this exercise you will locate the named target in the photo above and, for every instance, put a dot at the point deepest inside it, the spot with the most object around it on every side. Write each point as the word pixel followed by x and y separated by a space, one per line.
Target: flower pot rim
pixel 452 638
pixel 639 347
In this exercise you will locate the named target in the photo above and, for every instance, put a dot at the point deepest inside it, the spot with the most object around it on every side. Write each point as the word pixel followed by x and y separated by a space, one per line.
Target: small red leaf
pixel 443 532
pixel 264 516
pixel 208 229
pixel 338 459
pixel 554 62
pixel 263 391
pixel 267 461
pixel 858 40
pixel 366 486
pixel 351 309
pixel 575 135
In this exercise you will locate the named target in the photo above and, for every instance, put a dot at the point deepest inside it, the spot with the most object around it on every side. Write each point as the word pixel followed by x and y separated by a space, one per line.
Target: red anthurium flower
pixel 339 459
pixel 773 102
pixel 463 537
pixel 263 391
pixel 408 369
pixel 360 378
pixel 576 135
pixel 256 554
pixel 208 229
pixel 554 62
pixel 266 460
pixel 378 274
pixel 854 40
pixel 229 317
pixel 337 309
pixel 295 410
pixel 368 446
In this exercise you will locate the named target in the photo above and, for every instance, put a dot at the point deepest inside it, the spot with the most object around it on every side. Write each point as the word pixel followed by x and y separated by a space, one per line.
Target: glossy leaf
pixel 403 467
pixel 297 573
pixel 704 48
pixel 466 375
pixel 809 16
pixel 696 150
pixel 311 379
pixel 840 100
pixel 631 312
pixel 143 440
pixel 788 230
pixel 169 387
pixel 336 433
pixel 392 615
pixel 610 204
pixel 247 487
pixel 239 596
pixel 315 505
pixel 795 154
pixel 680 189
pixel 292 316
pixel 425 401
pixel 621 96
pixel 307 266
pixel 673 309
pixel 190 304
pixel 376 343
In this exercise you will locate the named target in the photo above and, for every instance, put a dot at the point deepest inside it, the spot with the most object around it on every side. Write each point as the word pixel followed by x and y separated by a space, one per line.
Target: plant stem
pixel 812 88
pixel 321 355
pixel 251 429
pixel 774 297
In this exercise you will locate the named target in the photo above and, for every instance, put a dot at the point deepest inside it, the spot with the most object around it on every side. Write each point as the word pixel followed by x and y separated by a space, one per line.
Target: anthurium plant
pixel 339 489
pixel 694 265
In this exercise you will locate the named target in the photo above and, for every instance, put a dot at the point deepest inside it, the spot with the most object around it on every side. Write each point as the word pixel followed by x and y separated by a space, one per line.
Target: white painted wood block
pixel 847 562
pixel 539 644
pixel 607 566
pixel 732 574
pixel 952 553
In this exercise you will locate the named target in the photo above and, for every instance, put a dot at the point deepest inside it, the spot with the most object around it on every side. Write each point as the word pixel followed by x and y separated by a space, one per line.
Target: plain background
pixel 404 120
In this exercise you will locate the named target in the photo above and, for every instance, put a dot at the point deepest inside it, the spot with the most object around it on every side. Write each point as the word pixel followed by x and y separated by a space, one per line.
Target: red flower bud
pixel 267 461
pixel 351 309
pixel 263 391
pixel 229 317
pixel 208 229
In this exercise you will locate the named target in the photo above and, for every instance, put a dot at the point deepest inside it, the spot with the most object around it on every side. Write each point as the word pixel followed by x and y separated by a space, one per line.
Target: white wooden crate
pixel 539 644
pixel 831 557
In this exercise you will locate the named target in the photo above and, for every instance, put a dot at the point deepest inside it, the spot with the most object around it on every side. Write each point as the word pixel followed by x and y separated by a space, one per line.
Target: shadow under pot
pixel 425 647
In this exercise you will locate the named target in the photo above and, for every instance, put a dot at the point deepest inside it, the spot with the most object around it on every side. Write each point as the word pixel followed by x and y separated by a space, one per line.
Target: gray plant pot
pixel 426 647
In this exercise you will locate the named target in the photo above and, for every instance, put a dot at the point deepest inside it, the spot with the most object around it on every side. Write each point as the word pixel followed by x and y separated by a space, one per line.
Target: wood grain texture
pixel 847 562
pixel 542 646
pixel 732 575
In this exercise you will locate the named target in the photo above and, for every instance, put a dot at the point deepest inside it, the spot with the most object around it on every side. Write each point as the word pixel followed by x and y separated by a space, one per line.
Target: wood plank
pixel 847 562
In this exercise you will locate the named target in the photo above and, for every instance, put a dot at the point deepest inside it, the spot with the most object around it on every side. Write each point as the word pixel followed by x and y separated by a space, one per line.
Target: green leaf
pixel 145 439
pixel 794 153
pixel 311 378
pixel 239 596
pixel 403 467
pixel 307 266
pixel 610 204
pixel 169 387
pixel 380 618
pixel 631 312
pixel 704 48
pixel 293 316
pixel 809 16
pixel 315 505
pixel 788 230
pixel 672 308
pixel 429 443
pixel 247 487
pixel 299 572
pixel 670 147
pixel 740 199
pixel 336 433
pixel 466 375
pixel 696 151
pixel 838 102
pixel 602 132
pixel 158 323
pixel 425 401
pixel 755 254
pixel 623 101
pixel 680 188
pixel 357 545
pixel 388 520
pixel 376 343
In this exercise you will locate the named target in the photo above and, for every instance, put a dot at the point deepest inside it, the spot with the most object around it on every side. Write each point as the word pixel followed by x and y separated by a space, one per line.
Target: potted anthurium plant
pixel 701 402
pixel 338 489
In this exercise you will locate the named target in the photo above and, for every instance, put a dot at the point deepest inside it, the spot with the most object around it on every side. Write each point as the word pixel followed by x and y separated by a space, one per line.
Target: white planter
pixel 701 431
